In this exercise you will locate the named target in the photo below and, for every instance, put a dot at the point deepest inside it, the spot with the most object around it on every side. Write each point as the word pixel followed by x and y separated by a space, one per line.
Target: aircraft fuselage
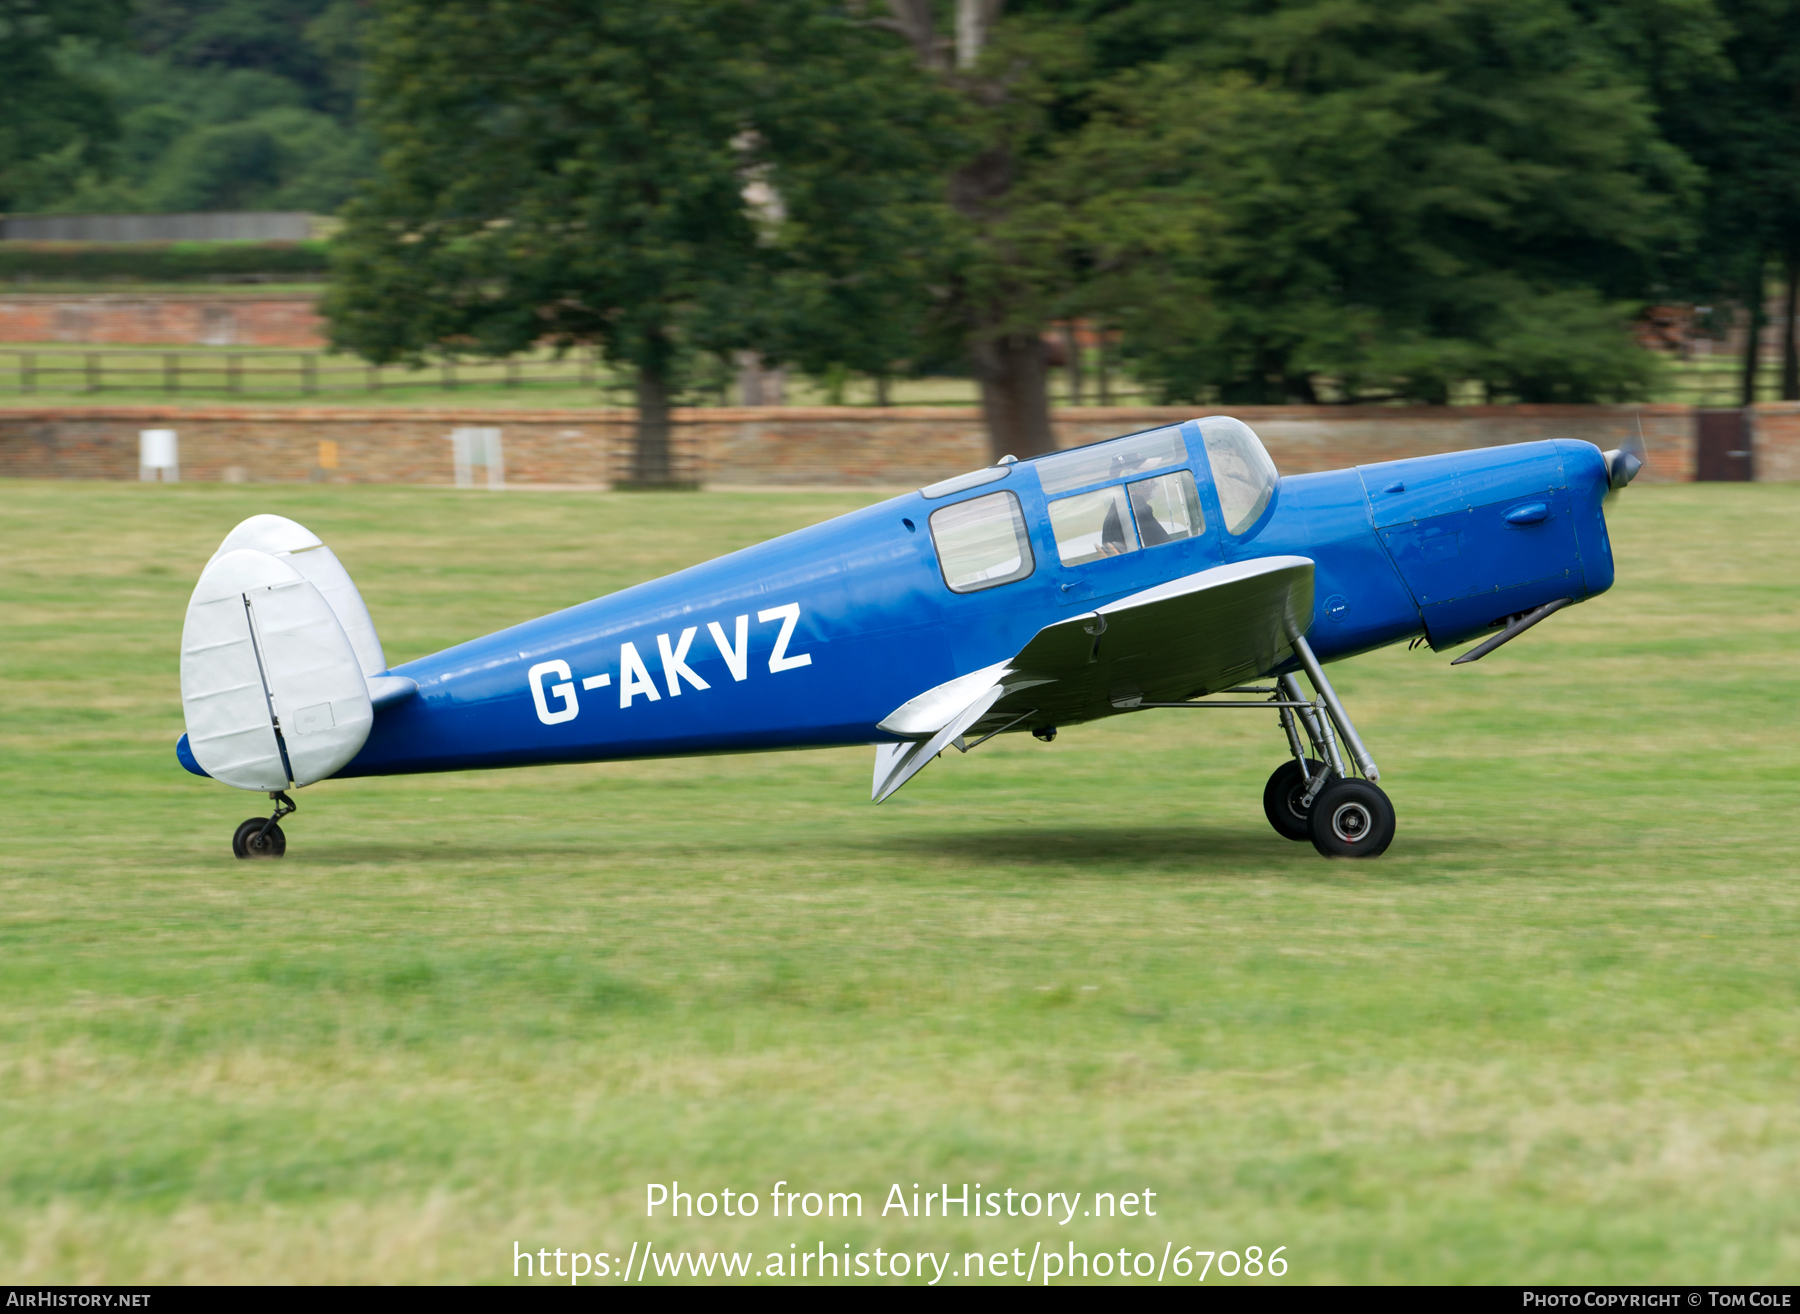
pixel 812 639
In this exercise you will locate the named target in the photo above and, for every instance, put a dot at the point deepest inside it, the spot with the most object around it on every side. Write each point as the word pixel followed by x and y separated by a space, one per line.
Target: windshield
pixel 1242 472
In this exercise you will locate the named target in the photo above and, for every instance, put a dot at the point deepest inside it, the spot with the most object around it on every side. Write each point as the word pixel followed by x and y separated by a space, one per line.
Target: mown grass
pixel 1551 1036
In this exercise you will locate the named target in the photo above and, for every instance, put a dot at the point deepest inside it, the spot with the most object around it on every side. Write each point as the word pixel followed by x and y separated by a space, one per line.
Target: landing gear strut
pixel 1286 798
pixel 1314 797
pixel 261 837
pixel 1308 798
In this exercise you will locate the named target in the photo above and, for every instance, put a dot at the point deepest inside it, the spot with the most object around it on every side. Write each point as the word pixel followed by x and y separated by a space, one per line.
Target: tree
pixel 222 104
pixel 310 43
pixel 1742 124
pixel 1383 200
pixel 1310 199
pixel 49 115
pixel 1000 283
pixel 556 170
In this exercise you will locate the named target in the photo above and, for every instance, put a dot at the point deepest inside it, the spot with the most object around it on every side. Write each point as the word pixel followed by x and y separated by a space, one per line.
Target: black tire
pixel 1352 819
pixel 1281 800
pixel 246 844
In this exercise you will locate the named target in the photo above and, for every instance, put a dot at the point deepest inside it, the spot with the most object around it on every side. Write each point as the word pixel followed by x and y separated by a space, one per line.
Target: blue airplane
pixel 1157 570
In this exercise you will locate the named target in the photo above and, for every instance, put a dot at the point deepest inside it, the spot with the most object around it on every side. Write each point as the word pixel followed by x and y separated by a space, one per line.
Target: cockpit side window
pixel 1167 508
pixel 1242 472
pixel 982 543
pixel 1089 526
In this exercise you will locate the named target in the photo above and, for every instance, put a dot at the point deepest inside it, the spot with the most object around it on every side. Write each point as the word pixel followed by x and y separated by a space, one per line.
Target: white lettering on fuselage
pixel 564 691
pixel 557 703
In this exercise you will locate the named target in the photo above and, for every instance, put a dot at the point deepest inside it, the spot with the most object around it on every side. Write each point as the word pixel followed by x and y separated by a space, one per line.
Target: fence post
pixel 234 373
pixel 28 372
pixel 92 361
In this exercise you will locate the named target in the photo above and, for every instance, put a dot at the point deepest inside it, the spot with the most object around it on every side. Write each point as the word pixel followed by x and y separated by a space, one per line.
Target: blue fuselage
pixel 812 639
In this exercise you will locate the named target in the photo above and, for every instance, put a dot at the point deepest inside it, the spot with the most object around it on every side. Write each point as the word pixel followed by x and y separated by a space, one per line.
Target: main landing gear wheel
pixel 251 840
pixel 1282 799
pixel 1352 819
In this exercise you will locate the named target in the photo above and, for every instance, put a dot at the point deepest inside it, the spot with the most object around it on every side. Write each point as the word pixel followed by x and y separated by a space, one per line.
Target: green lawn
pixel 1550 1037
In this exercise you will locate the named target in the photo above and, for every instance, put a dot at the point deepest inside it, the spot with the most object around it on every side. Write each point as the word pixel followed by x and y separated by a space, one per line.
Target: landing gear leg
pixel 1344 817
pixel 261 837
pixel 1287 798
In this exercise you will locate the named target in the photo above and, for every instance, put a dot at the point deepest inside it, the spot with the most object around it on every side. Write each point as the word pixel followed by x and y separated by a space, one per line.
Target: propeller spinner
pixel 1623 463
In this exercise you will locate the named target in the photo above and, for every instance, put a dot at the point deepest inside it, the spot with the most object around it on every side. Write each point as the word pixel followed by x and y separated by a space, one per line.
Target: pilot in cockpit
pixel 1112 533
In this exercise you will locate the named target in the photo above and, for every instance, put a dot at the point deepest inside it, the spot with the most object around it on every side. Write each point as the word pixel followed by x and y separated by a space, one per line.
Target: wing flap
pixel 903 766
pixel 1183 639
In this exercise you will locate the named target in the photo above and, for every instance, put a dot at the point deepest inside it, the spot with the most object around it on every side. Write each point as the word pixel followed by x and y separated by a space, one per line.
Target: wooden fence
pixel 273 373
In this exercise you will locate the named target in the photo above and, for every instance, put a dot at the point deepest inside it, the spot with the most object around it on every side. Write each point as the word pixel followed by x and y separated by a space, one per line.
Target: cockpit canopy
pixel 1243 474
pixel 1108 499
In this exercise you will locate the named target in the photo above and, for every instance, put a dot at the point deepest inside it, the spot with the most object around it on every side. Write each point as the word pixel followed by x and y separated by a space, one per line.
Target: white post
pixel 496 460
pixel 158 454
pixel 478 446
pixel 460 456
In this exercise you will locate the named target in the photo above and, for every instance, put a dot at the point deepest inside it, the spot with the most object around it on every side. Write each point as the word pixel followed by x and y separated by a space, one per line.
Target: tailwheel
pixel 261 837
pixel 1352 819
pixel 1284 799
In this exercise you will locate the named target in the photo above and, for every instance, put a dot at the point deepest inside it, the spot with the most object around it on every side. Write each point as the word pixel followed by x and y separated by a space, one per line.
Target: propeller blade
pixel 1623 463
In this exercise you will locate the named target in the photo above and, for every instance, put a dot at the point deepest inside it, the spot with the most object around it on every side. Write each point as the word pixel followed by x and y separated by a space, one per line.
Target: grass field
pixel 1551 1037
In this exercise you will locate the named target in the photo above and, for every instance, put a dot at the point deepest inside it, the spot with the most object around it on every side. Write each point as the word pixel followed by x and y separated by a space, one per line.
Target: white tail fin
pixel 302 549
pixel 281 669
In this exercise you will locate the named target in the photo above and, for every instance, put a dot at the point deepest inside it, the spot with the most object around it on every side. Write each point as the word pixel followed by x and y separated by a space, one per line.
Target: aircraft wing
pixel 1189 637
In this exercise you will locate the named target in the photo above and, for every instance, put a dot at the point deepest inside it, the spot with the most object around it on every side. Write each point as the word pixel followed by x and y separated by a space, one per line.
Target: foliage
pixel 1742 124
pixel 1378 200
pixel 311 44
pixel 223 105
pixel 205 139
pixel 159 262
pixel 46 109
pixel 665 181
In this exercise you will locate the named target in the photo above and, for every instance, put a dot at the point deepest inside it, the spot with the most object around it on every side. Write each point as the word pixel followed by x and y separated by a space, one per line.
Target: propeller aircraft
pixel 1169 569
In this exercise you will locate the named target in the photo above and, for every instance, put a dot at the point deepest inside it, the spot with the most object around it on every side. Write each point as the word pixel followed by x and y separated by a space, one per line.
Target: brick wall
pixel 164 318
pixel 796 446
pixel 1775 440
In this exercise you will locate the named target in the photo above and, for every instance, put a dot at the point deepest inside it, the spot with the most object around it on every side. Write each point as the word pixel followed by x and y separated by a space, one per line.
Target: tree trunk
pixel 973 19
pixel 1790 358
pixel 750 379
pixel 882 397
pixel 1072 363
pixel 1104 368
pixel 1015 394
pixel 1753 338
pixel 650 463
